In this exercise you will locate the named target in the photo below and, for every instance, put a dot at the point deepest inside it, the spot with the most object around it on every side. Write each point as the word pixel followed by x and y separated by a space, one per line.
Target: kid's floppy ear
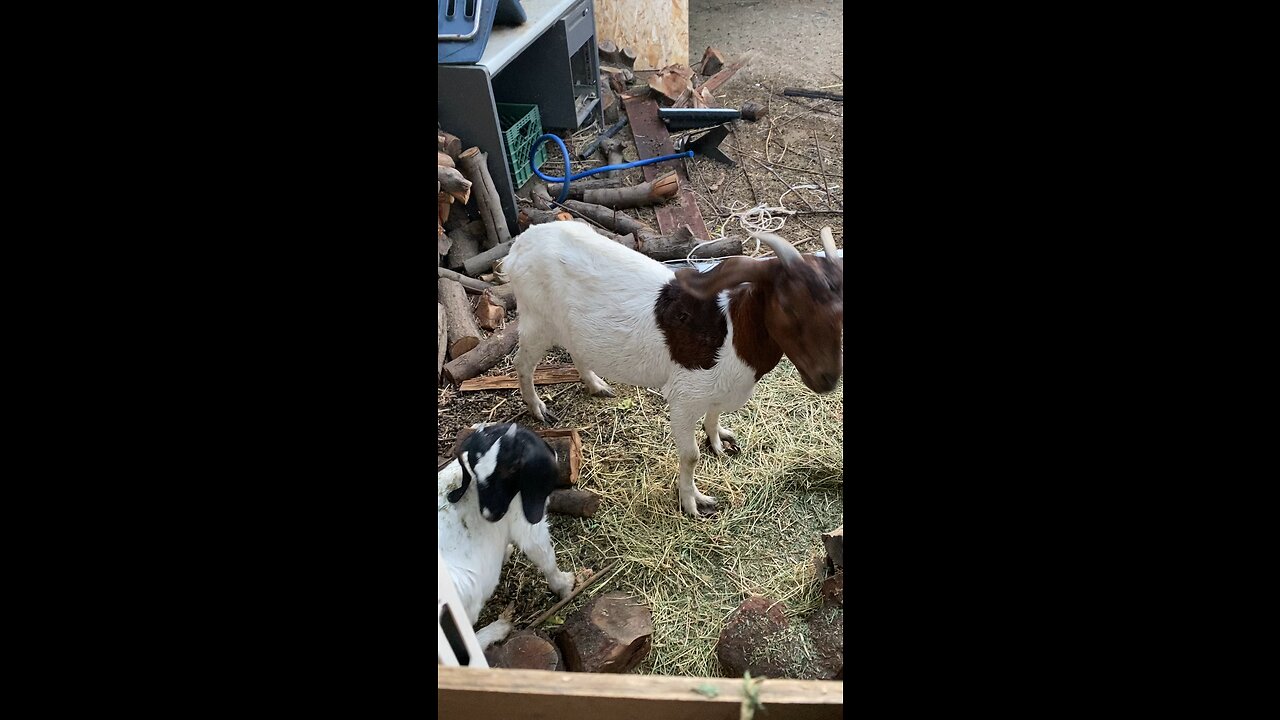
pixel 729 273
pixel 539 478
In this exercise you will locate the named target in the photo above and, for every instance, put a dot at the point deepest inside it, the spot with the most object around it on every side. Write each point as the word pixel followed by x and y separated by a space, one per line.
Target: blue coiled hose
pixel 568 171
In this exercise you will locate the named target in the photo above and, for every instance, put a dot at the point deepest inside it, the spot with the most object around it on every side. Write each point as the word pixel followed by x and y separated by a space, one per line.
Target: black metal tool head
pixel 708 145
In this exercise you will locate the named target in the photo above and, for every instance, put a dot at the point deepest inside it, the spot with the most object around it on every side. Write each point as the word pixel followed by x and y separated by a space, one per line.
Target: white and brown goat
pixel 704 339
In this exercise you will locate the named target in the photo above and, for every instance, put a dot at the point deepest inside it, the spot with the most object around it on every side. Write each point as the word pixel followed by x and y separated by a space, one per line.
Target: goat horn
pixel 829 244
pixel 783 249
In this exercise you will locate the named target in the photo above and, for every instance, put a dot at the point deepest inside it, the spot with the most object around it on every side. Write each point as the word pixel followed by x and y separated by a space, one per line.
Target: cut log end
pixel 575 502
pixel 612 633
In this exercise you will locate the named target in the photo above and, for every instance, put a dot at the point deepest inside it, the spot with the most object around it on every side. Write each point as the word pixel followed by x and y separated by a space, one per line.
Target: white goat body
pixel 595 298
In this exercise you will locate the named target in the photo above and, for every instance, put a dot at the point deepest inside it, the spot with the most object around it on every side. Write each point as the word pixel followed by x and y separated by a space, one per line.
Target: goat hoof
pixel 605 393
pixel 723 448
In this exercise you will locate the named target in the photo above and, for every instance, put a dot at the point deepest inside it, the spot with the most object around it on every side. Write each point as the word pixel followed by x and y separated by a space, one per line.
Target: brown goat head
pixel 804 305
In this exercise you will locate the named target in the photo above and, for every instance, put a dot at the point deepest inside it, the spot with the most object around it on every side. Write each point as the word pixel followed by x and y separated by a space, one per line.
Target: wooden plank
pixel 542 375
pixel 653 140
pixel 547 695
pixel 656 30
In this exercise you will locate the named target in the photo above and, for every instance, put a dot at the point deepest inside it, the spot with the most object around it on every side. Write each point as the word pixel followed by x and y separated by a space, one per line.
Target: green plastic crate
pixel 521 125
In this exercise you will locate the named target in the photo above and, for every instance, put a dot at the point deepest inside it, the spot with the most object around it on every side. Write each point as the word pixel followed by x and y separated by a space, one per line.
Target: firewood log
pixel 574 501
pixel 483 262
pixel 472 162
pixel 484 356
pixel 453 183
pixel 463 332
pixel 448 144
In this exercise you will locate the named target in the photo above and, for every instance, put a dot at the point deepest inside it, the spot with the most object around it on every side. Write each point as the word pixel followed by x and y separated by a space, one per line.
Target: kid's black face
pixel 506 460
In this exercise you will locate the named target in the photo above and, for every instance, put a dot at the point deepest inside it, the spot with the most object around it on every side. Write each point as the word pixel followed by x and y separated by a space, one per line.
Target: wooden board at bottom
pixel 543 694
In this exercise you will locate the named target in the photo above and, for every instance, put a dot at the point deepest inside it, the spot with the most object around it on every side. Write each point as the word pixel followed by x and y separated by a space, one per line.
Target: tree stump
pixel 612 634
pixel 525 651
pixel 758 638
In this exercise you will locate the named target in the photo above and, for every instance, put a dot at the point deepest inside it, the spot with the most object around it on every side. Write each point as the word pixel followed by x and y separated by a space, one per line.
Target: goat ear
pixel 730 273
pixel 456 495
pixel 536 484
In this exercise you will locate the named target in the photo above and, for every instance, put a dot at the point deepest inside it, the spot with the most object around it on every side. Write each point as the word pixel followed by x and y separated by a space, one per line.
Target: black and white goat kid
pixel 478 518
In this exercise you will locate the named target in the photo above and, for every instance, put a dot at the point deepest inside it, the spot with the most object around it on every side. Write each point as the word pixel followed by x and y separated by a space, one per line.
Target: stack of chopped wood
pixel 473 235
pixel 679 86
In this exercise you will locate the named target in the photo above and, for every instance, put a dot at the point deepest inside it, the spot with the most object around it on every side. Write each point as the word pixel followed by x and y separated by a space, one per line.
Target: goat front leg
pixel 535 543
pixel 683 420
pixel 720 438
pixel 497 630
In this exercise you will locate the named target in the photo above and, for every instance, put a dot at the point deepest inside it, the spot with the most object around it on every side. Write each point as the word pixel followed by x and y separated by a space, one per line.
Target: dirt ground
pixel 771 28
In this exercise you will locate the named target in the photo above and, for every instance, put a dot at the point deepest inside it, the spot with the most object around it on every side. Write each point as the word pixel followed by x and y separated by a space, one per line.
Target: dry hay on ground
pixel 777 497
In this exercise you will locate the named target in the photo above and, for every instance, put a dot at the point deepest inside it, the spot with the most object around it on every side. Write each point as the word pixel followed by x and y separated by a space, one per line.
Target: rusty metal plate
pixel 653 140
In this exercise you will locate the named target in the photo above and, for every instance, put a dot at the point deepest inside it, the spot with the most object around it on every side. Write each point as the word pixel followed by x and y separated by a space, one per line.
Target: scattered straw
pixel 776 498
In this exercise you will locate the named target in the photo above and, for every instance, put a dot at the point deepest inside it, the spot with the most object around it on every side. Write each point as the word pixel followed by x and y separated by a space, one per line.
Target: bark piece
pixel 712 61
pixel 463 332
pixel 833 541
pixel 472 162
pixel 574 502
pixel 489 314
pixel 484 356
pixel 442 338
pixel 714 82
pixel 542 375
pixel 525 651
pixel 483 262
pixel 612 633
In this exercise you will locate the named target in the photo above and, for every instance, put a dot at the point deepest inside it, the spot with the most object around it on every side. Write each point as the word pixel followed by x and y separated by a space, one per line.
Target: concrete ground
pixel 797 42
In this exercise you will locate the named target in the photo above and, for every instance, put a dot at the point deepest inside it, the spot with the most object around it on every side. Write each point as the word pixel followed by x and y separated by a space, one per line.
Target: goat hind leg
pixel 594 384
pixel 533 347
